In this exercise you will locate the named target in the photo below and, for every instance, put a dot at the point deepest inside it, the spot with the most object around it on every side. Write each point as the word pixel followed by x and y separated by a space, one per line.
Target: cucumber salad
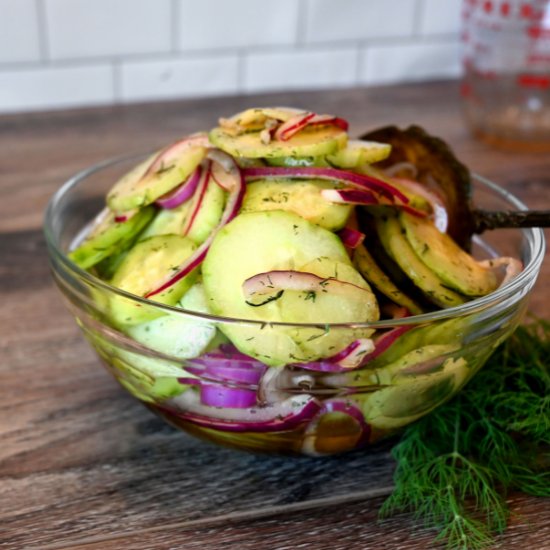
pixel 283 241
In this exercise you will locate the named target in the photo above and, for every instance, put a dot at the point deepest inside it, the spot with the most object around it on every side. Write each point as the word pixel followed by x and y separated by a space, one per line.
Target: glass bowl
pixel 183 367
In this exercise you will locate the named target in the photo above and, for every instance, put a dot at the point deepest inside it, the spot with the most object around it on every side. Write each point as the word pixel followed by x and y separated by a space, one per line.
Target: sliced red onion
pixel 329 120
pixel 332 406
pixel 293 125
pixel 350 196
pixel 352 356
pixel 199 194
pixel 236 371
pixel 174 151
pixel 512 267
pixel 181 193
pixel 232 207
pixel 351 237
pixel 125 216
pixel 394 169
pixel 383 342
pixel 359 181
pixel 223 168
pixel 266 287
pixel 281 416
pixel 218 395
pixel 440 216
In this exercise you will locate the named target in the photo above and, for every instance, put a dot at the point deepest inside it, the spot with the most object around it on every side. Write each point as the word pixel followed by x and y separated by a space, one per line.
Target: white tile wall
pixel 18 31
pixel 179 78
pixel 420 61
pixel 93 28
pixel 440 16
pixel 61 53
pixel 330 20
pixel 301 69
pixel 52 87
pixel 221 24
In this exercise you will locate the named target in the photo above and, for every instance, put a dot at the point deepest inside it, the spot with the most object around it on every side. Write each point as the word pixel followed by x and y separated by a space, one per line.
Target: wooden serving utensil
pixel 438 167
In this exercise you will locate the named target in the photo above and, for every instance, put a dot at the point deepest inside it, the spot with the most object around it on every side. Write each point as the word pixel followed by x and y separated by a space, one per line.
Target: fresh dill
pixel 456 466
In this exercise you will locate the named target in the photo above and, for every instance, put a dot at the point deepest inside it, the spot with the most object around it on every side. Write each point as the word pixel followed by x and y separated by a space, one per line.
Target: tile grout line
pixel 41 20
pixel 276 509
pixel 175 27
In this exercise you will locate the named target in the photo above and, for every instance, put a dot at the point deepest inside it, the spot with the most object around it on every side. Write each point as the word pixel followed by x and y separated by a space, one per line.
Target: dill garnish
pixel 456 466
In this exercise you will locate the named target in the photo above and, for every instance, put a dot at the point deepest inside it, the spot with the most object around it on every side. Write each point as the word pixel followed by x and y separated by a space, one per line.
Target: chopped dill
pixel 456 466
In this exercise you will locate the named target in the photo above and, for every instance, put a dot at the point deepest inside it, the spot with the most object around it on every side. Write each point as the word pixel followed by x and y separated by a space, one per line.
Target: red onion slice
pixel 359 181
pixel 266 287
pixel 292 126
pixel 440 216
pixel 350 196
pixel 223 169
pixel 282 416
pixel 512 267
pixel 329 120
pixel 232 207
pixel 218 395
pixel 352 356
pixel 173 151
pixel 329 407
pixel 125 216
pixel 200 192
pixel 351 237
pixel 181 193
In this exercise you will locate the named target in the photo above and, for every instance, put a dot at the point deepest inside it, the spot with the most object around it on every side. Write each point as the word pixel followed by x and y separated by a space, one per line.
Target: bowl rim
pixel 534 237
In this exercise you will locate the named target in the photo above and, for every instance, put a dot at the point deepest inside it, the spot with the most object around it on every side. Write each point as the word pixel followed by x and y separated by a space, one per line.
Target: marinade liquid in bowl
pixel 314 385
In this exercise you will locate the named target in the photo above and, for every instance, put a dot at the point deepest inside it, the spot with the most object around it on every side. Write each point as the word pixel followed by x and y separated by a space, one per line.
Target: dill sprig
pixel 456 466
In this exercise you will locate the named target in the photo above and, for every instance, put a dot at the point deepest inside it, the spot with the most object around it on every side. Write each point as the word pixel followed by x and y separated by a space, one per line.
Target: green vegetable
pixel 456 466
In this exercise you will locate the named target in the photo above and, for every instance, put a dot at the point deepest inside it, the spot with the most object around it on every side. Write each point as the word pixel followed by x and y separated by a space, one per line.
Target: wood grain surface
pixel 83 465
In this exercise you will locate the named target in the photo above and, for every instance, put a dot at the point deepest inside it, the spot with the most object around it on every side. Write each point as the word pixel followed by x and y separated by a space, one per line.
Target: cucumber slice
pixel 303 197
pixel 357 153
pixel 168 222
pixel 178 336
pixel 356 306
pixel 109 237
pixel 397 246
pixel 308 142
pixel 139 187
pixel 205 211
pixel 408 400
pixel 146 264
pixel 366 265
pixel 297 161
pixel 257 242
pixel 446 259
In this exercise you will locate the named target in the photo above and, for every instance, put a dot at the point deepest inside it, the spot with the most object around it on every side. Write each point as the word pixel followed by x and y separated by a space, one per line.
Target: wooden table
pixel 83 465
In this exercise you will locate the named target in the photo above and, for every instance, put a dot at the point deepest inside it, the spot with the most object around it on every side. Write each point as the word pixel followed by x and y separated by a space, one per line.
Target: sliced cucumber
pixel 109 237
pixel 397 246
pixel 357 153
pixel 357 305
pixel 308 142
pixel 168 221
pixel 147 263
pixel 177 335
pixel 297 161
pixel 367 266
pixel 446 259
pixel 400 404
pixel 205 211
pixel 258 242
pixel 303 197
pixel 139 187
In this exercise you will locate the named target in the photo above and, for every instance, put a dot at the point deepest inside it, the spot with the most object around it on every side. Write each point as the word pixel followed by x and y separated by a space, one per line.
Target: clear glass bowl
pixel 190 374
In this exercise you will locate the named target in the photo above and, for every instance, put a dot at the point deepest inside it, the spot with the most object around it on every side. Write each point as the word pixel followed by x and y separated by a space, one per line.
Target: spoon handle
pixel 486 219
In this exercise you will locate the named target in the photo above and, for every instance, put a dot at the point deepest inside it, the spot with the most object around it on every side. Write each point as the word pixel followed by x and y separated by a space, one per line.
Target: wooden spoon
pixel 438 167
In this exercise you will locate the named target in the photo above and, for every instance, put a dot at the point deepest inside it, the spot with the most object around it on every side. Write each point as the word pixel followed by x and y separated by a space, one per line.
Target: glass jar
pixel 506 83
